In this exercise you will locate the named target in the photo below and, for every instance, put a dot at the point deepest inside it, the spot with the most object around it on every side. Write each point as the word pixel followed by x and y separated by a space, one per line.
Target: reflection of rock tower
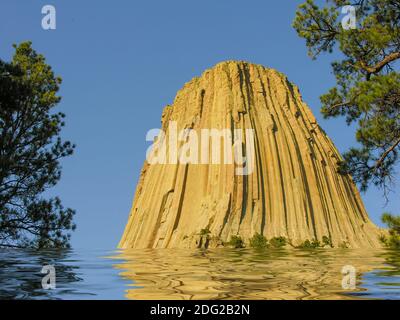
pixel 293 192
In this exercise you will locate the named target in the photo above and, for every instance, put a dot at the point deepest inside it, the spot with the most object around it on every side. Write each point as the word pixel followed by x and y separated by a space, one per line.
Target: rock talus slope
pixel 294 190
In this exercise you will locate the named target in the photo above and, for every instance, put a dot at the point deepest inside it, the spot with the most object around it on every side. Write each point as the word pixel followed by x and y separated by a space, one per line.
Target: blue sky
pixel 123 61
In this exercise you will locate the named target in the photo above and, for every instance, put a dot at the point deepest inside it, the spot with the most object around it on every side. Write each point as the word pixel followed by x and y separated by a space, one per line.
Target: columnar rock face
pixel 293 189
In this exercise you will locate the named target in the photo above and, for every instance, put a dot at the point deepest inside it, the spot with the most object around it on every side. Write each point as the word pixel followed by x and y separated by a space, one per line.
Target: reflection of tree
pixel 392 259
pixel 20 276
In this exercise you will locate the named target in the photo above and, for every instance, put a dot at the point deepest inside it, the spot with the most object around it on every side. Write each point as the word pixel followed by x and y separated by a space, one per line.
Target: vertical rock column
pixel 294 190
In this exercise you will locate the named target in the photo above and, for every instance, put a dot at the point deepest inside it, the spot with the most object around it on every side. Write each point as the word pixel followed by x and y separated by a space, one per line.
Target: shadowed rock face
pixel 293 190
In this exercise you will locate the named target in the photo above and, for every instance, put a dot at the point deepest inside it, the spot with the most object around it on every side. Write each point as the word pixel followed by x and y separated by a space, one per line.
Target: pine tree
pixel 367 90
pixel 30 150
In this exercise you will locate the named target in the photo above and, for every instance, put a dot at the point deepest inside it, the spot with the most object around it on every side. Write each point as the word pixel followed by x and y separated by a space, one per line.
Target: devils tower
pixel 293 189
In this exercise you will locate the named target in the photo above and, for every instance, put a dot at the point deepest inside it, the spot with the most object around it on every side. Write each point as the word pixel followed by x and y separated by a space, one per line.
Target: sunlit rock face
pixel 285 182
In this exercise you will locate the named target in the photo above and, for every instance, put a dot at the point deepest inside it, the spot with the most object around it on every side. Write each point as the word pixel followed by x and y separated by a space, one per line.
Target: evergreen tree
pixel 367 90
pixel 30 150
pixel 392 240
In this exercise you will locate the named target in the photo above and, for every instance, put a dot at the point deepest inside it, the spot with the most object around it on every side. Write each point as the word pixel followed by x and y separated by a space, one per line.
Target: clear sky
pixel 123 61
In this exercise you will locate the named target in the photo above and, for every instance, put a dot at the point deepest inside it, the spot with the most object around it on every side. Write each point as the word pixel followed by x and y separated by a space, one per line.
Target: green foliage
pixel 236 242
pixel 313 244
pixel 393 222
pixel 30 150
pixel 306 244
pixel 367 90
pixel 205 231
pixel 258 241
pixel 278 242
pixel 327 241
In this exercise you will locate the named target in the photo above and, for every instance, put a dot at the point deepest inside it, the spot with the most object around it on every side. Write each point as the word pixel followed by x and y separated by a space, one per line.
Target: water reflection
pixel 383 283
pixel 200 274
pixel 21 277
pixel 252 274
pixel 80 274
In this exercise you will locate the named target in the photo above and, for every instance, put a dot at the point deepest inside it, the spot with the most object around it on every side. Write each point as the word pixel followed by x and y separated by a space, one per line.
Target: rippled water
pixel 202 274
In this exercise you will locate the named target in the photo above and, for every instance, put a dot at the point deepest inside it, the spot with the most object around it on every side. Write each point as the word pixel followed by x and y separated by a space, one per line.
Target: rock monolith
pixel 290 188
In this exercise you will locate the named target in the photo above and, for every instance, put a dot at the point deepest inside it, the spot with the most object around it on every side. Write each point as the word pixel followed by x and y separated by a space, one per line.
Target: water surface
pixel 200 274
